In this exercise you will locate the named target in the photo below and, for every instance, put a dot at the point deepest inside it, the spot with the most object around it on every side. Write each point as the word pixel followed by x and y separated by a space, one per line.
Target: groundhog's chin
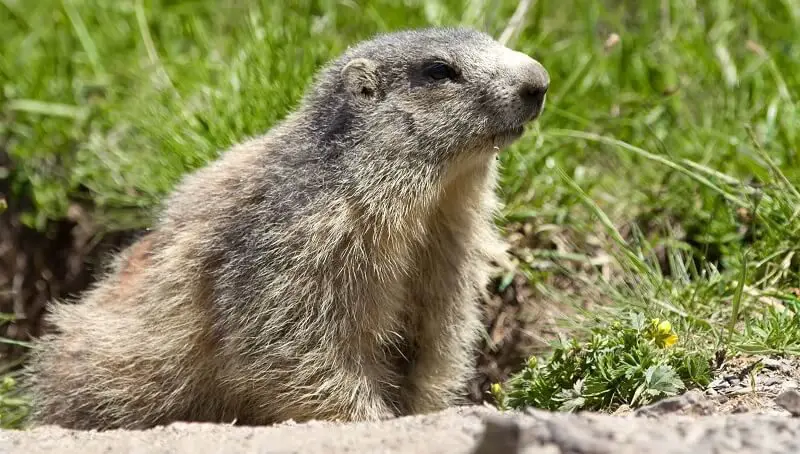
pixel 506 138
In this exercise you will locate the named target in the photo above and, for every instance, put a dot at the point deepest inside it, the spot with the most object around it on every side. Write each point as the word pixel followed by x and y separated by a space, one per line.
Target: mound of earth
pixel 474 429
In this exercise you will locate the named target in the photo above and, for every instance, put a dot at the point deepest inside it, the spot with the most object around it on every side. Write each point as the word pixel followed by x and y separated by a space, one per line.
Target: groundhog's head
pixel 434 94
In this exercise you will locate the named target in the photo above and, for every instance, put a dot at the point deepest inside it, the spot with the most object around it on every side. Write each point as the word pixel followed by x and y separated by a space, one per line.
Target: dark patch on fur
pixel 138 259
pixel 408 121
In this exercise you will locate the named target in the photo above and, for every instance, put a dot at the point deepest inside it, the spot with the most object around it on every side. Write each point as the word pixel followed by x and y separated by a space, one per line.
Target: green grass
pixel 750 308
pixel 13 402
pixel 662 179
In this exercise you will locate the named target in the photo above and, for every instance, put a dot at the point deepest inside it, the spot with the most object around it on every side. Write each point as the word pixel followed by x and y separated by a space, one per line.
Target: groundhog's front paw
pixel 417 402
pixel 429 406
pixel 373 411
pixel 387 414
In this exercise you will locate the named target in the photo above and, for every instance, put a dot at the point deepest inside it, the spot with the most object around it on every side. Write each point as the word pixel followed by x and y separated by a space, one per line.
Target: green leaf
pixel 663 379
pixel 573 404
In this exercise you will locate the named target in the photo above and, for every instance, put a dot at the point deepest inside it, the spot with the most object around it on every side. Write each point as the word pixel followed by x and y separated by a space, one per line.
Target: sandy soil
pixel 752 407
pixel 671 427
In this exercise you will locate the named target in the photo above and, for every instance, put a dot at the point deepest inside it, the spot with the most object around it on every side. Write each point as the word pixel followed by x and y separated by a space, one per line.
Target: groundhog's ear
pixel 360 77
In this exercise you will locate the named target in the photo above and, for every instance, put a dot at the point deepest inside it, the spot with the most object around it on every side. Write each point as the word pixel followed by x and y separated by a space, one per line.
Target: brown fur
pixel 326 270
pixel 136 259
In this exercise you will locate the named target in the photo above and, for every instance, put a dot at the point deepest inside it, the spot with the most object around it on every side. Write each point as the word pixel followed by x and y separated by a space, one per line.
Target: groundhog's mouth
pixel 508 136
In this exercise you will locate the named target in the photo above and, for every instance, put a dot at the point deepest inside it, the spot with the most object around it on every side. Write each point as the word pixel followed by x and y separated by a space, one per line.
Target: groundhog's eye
pixel 439 70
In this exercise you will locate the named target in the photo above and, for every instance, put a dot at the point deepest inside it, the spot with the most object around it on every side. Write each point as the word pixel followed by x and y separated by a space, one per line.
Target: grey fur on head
pixel 329 269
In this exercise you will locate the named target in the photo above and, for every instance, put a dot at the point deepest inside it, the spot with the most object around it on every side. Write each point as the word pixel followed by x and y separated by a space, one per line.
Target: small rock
pixel 622 410
pixel 721 399
pixel 772 363
pixel 500 435
pixel 790 401
pixel 734 381
pixel 789 384
pixel 780 365
pixel 742 390
pixel 769 381
pixel 693 401
pixel 718 384
pixel 740 408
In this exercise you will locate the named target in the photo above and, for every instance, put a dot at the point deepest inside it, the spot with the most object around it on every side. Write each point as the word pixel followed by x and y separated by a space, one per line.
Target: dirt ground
pixel 753 407
pixel 478 430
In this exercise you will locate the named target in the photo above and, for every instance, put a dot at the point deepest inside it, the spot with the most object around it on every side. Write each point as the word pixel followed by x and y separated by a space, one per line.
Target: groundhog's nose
pixel 534 82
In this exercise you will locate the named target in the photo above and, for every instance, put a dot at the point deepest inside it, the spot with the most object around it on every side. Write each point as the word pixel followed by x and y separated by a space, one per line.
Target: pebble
pixel 769 381
pixel 741 391
pixel 777 364
pixel 719 384
pixel 740 408
pixel 500 435
pixel 790 401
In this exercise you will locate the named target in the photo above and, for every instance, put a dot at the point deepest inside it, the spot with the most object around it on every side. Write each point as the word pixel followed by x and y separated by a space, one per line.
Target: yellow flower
pixel 664 328
pixel 663 334
pixel 499 396
pixel 670 340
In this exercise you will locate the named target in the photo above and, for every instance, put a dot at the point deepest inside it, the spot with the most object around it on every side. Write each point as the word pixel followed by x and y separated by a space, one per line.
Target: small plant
pixel 13 406
pixel 13 403
pixel 633 363
pixel 777 331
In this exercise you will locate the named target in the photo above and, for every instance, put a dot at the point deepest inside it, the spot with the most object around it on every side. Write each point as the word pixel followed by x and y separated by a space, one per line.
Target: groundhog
pixel 329 269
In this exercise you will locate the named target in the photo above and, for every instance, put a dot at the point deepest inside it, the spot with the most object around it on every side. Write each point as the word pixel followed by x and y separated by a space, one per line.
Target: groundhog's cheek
pixel 442 111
